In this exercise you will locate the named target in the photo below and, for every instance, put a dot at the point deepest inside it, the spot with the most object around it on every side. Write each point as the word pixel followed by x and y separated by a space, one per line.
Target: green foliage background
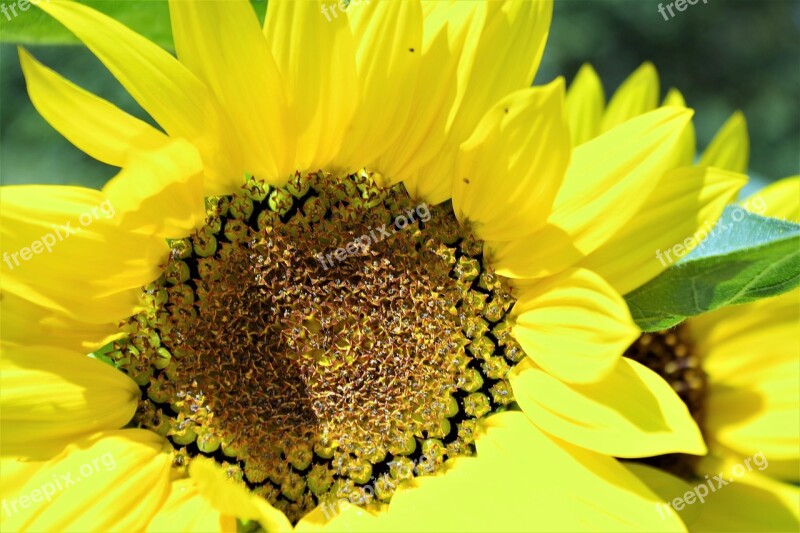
pixel 723 55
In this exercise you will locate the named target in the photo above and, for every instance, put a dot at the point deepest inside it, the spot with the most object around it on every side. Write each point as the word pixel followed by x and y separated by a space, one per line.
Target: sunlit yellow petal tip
pixel 637 95
pixel 674 98
pixel 511 167
pixel 600 416
pixel 584 105
pixel 231 499
pixel 91 396
pixel 169 91
pixel 608 179
pixel 778 200
pixel 574 325
pixel 730 147
pixel 97 127
pixel 676 218
pixel 688 148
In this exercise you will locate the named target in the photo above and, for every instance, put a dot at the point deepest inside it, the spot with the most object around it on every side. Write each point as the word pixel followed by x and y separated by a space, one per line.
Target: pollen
pixel 323 340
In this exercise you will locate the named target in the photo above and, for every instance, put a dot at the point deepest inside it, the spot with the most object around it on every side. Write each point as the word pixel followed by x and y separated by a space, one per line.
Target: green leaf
pixel 34 26
pixel 746 257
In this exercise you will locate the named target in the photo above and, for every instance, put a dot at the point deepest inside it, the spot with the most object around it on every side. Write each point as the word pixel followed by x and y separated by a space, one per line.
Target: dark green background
pixel 723 55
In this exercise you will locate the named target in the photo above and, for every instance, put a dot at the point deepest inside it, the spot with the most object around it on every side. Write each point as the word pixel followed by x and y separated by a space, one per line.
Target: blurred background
pixel 723 55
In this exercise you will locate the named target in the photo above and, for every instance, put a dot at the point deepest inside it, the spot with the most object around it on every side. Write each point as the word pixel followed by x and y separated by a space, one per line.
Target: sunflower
pixel 738 369
pixel 360 280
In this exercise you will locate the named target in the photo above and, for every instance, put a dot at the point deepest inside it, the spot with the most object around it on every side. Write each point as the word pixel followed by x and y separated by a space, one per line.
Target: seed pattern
pixel 313 380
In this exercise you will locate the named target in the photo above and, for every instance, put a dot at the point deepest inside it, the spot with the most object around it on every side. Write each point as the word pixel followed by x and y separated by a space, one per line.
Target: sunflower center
pixel 671 355
pixel 322 340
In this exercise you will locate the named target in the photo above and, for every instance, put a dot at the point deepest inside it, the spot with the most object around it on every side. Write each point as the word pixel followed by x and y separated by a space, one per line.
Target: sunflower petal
pixel 510 169
pixel 632 412
pixel 164 87
pixel 753 408
pixel 573 325
pixel 668 487
pixel 683 210
pixel 747 501
pixel 160 192
pixel 52 397
pixel 186 510
pixel 425 131
pixel 93 270
pixel 223 495
pixel 688 142
pixel 780 199
pixel 123 479
pixel 501 55
pixel 584 105
pixel 601 495
pixel 608 180
pixel 730 147
pixel 637 95
pixel 222 44
pixel 316 58
pixel 24 323
pixel 96 126
pixel 388 49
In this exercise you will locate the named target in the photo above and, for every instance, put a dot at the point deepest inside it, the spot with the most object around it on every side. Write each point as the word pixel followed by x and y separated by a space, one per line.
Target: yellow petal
pixel 584 105
pixel 52 397
pixel 425 131
pixel 160 192
pixel 668 487
pixel 94 125
pixel 24 323
pixel 388 50
pixel 501 55
pixel 165 88
pixel 316 58
pixel 222 43
pixel 730 147
pixel 751 353
pixel 517 483
pixel 637 95
pixel 743 498
pixel 340 516
pixel 780 199
pixel 607 182
pixel 510 168
pixel 632 412
pixel 63 251
pixel 677 216
pixel 688 149
pixel 186 510
pixel 224 495
pixel 573 325
pixel 115 480
pixel 13 474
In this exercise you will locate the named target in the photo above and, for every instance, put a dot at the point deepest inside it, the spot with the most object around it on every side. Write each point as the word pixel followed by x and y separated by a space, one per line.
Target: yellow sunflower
pixel 742 363
pixel 317 279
